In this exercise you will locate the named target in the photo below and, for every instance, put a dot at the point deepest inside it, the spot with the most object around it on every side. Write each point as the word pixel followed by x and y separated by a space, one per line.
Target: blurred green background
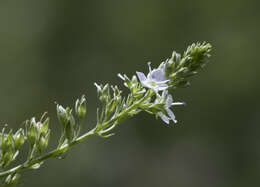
pixel 55 50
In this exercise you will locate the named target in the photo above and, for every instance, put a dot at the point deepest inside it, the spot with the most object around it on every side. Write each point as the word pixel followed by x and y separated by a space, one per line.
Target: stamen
pixel 178 103
pixel 149 65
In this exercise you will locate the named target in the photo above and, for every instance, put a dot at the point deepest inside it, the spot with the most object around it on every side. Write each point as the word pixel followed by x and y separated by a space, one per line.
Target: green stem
pixel 79 128
pixel 51 154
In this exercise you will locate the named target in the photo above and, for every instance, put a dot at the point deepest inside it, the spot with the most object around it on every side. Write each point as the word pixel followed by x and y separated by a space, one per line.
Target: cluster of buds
pixel 10 143
pixel 38 133
pixel 67 119
pixel 111 102
pixel 178 68
pixel 136 89
pixel 115 107
pixel 12 180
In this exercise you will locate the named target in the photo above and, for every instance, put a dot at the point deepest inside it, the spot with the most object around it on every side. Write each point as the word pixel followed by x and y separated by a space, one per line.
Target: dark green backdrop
pixel 54 50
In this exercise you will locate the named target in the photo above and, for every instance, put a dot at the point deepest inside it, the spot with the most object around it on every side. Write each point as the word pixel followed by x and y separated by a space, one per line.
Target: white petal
pixel 141 76
pixel 164 117
pixel 162 87
pixel 147 84
pixel 171 114
pixel 169 100
pixel 164 93
pixel 157 75
pixel 162 82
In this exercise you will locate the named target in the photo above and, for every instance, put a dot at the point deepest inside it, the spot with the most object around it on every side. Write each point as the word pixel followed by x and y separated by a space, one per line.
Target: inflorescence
pixel 149 93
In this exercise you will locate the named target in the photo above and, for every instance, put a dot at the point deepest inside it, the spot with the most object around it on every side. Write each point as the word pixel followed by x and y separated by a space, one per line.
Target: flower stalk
pixel 146 93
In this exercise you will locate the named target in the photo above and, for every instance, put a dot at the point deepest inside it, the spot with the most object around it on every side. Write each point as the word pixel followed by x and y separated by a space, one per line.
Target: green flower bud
pixel 44 127
pixel 67 120
pixel 18 139
pixel 80 107
pixel 44 140
pixel 69 128
pixel 32 131
pixel 37 165
pixel 7 142
pixel 7 158
pixel 99 89
pixel 62 115
pixel 106 89
pixel 69 132
pixel 103 93
pixel 12 180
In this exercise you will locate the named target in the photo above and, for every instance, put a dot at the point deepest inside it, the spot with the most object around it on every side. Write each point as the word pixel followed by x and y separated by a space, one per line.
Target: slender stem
pixel 51 154
pixel 79 128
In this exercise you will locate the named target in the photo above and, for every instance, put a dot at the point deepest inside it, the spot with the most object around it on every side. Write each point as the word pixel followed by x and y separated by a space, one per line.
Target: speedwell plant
pixel 147 93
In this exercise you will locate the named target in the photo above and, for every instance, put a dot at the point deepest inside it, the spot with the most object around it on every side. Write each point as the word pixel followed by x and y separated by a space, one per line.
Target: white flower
pixel 155 79
pixel 168 103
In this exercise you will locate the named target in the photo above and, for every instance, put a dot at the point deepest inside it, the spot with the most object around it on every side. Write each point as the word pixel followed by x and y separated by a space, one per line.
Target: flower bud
pixel 176 57
pixel 62 115
pixel 99 89
pixel 18 139
pixel 32 131
pixel 7 142
pixel 67 120
pixel 80 107
pixel 106 89
pixel 44 127
pixel 44 140
pixel 12 180
pixel 7 158
pixel 69 128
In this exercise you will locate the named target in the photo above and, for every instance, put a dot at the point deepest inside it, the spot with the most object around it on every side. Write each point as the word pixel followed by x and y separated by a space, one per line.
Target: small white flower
pixel 168 103
pixel 155 79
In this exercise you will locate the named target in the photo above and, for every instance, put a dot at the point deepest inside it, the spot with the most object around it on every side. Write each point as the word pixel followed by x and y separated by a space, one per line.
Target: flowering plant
pixel 149 93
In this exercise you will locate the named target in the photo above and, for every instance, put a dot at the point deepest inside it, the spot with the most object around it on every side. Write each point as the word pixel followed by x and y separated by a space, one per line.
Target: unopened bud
pixel 80 107
pixel 12 180
pixel 44 140
pixel 32 131
pixel 62 115
pixel 7 142
pixel 7 158
pixel 69 128
pixel 44 127
pixel 18 139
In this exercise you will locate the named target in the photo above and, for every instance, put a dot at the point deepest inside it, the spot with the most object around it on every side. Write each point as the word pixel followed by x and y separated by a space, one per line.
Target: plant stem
pixel 51 154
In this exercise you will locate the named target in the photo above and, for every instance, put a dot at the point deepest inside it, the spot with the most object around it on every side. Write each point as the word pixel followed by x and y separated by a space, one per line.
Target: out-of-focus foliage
pixel 55 51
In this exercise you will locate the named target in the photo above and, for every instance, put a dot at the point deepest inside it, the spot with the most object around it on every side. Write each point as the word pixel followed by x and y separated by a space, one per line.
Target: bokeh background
pixel 55 50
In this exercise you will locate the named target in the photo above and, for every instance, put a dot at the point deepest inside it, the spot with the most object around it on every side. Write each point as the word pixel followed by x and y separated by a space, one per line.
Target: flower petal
pixel 171 114
pixel 162 87
pixel 141 76
pixel 169 100
pixel 164 117
pixel 157 75
pixel 164 94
